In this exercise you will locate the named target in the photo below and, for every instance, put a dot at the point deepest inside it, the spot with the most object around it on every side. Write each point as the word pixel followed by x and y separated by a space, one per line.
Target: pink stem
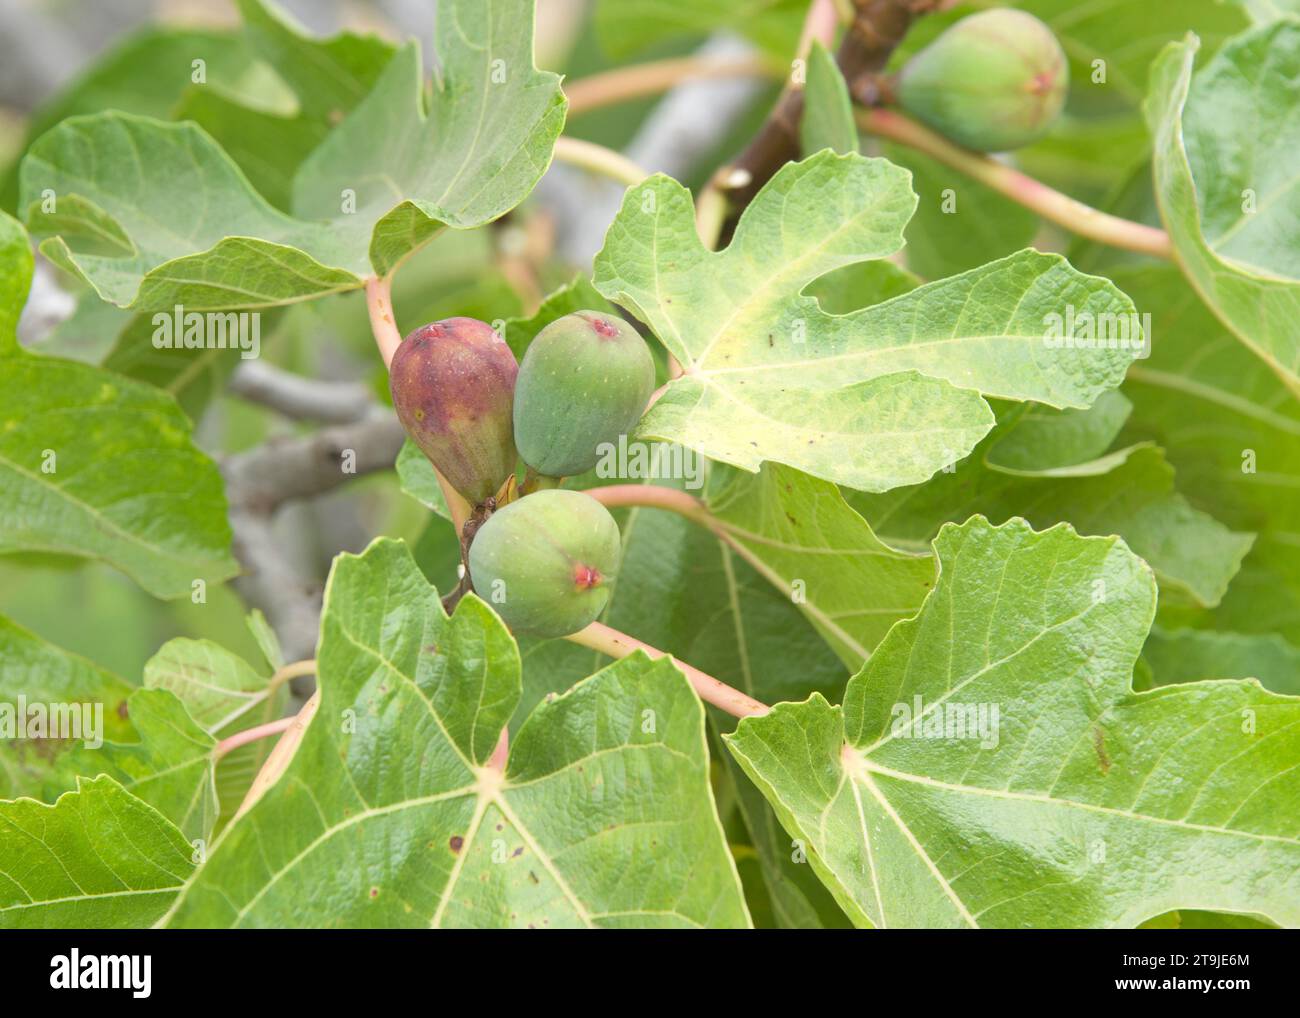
pixel 622 496
pixel 252 735
pixel 379 301
pixel 497 761
pixel 1019 187
pixel 820 24
pixel 601 637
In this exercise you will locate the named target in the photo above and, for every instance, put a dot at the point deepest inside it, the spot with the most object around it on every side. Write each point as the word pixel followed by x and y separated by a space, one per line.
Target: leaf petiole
pixel 1019 187
pixel 611 642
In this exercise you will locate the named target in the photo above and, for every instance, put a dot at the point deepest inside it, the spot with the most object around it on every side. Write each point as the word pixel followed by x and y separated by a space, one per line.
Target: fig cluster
pixel 994 81
pixel 545 560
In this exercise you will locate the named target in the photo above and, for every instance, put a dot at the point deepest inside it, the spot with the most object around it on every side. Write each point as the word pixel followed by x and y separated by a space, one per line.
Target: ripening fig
pixel 993 81
pixel 585 380
pixel 453 388
pixel 546 562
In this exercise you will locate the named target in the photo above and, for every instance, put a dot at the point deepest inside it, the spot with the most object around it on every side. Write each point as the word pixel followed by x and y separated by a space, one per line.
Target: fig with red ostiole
pixel 546 562
pixel 584 381
pixel 994 81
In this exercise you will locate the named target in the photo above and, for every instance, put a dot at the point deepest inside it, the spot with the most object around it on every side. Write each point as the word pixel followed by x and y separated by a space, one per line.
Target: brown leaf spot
pixel 1099 744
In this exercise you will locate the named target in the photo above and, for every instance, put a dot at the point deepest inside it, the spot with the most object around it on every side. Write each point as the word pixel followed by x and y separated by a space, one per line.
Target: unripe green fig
pixel 546 562
pixel 453 388
pixel 585 380
pixel 993 81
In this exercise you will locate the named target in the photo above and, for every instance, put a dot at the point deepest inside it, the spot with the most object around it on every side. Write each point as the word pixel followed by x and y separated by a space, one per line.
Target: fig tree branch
pixel 640 80
pixel 876 28
pixel 271 474
pixel 298 397
pixel 611 642
pixel 261 480
pixel 1019 187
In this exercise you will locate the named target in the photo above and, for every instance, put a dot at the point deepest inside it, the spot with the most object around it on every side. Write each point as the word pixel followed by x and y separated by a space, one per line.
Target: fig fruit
pixel 546 562
pixel 585 380
pixel 453 388
pixel 993 81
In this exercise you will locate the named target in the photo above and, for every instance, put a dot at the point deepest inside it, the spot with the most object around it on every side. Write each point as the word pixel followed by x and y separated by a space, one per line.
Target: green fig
pixel 546 562
pixel 993 81
pixel 584 381
pixel 453 388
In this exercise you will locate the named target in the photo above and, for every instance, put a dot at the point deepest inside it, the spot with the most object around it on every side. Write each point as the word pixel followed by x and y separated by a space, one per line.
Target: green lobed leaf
pixel 327 77
pixel 484 142
pixel 800 535
pixel 418 479
pixel 770 376
pixel 95 465
pixel 97 858
pixel 99 466
pixel 959 224
pixel 1041 440
pixel 224 694
pixel 1225 182
pixel 388 177
pixel 388 816
pixel 1232 431
pixel 170 767
pixel 219 688
pixel 682 590
pixel 1191 655
pixel 109 173
pixel 15 280
pixel 40 672
pixel 827 118
pixel 146 72
pixel 1087 805
pixel 1129 492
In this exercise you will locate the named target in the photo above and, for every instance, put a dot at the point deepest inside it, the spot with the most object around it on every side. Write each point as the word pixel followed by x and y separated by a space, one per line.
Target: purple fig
pixel 453 386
